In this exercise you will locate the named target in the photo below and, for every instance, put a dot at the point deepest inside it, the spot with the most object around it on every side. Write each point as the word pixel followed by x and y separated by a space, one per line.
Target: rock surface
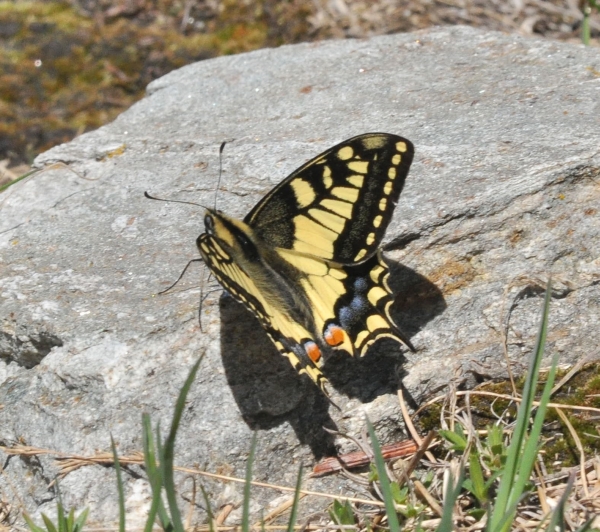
pixel 504 191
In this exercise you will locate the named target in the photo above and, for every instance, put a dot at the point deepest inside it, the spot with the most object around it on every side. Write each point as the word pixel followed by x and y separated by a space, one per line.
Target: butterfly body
pixel 305 260
pixel 273 278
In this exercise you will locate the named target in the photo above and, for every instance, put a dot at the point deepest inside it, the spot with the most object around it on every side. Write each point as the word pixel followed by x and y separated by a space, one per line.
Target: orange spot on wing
pixel 334 335
pixel 313 351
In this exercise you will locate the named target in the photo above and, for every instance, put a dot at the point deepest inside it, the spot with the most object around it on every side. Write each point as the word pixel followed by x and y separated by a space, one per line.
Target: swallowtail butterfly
pixel 305 260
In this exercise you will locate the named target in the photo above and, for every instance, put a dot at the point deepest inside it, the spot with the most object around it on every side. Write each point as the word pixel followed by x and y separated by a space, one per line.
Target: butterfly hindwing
pixel 365 312
pixel 305 260
pixel 350 303
pixel 338 205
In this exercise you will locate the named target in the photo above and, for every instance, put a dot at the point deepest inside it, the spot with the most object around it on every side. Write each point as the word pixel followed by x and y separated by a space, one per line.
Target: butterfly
pixel 306 259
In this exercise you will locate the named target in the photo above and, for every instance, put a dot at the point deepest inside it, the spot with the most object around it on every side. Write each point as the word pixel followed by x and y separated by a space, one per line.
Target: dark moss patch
pixel 559 449
pixel 65 71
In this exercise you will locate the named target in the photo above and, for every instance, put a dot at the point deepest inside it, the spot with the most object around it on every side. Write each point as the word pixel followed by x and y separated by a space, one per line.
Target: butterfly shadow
pixel 269 392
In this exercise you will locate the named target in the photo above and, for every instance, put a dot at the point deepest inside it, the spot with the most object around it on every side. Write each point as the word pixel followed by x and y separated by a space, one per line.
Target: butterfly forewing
pixel 287 334
pixel 338 205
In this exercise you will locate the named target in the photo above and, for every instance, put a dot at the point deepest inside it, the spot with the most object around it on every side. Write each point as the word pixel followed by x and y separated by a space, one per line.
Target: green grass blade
pixel 508 518
pixel 168 453
pixel 209 512
pixel 119 486
pixel 151 471
pixel 531 449
pixel 587 525
pixel 294 512
pixel 164 517
pixel 246 504
pixel 61 516
pixel 80 521
pixel 585 23
pixel 508 493
pixel 70 520
pixel 15 181
pixel 446 523
pixel 32 526
pixel 49 524
pixel 155 479
pixel 159 446
pixel 342 514
pixel 459 441
pixel 477 482
pixel 384 481
pixel 557 520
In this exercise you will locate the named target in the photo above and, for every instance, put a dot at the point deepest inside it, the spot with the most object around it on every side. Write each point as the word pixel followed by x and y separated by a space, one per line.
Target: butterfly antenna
pixel 221 148
pixel 173 200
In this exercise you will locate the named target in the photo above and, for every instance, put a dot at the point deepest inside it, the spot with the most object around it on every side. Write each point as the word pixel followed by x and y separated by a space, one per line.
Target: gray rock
pixel 504 192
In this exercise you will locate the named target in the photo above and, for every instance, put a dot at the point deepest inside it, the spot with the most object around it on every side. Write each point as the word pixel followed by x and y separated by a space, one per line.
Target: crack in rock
pixel 27 348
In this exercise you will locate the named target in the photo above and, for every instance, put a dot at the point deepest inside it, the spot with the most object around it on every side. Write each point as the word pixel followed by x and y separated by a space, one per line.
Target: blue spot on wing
pixel 352 313
pixel 361 285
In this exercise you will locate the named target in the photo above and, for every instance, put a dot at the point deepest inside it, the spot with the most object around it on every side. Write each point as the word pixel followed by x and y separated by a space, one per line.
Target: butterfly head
pixel 233 236
pixel 209 222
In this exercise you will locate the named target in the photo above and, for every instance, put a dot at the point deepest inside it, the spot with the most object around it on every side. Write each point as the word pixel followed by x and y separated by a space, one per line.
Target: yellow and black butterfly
pixel 305 261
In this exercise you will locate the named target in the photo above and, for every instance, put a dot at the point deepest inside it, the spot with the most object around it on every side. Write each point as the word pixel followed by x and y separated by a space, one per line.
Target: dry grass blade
pixel 68 463
pixel 577 441
pixel 281 509
pixel 188 519
pixel 410 426
pixel 223 514
pixel 440 398
pixel 572 372
pixel 427 497
pixel 418 456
